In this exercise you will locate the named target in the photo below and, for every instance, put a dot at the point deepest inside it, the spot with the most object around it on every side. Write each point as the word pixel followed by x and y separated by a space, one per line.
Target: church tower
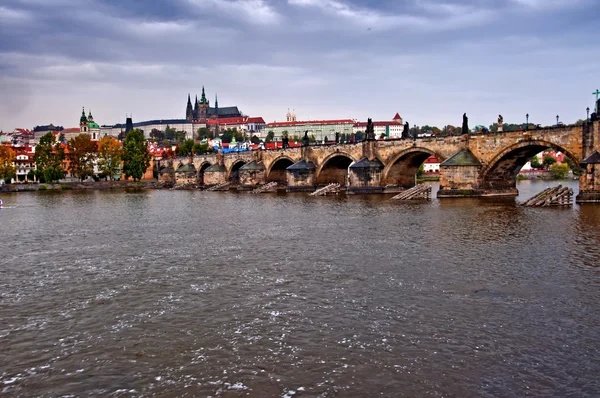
pixel 203 107
pixel 83 122
pixel 189 115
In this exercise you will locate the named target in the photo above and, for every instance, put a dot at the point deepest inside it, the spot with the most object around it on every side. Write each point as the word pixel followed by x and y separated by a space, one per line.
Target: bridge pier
pixel 365 176
pixel 589 181
pixel 215 174
pixel 301 176
pixel 459 175
pixel 252 175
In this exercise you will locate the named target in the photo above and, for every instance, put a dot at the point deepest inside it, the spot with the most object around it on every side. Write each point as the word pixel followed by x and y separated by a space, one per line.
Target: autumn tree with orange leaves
pixel 82 153
pixel 7 169
pixel 110 155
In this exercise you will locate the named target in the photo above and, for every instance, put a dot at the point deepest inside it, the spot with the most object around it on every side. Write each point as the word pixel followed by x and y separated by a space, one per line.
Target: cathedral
pixel 202 111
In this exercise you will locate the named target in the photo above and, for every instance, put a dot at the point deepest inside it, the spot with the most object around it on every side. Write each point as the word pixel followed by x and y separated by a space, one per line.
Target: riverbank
pixel 71 186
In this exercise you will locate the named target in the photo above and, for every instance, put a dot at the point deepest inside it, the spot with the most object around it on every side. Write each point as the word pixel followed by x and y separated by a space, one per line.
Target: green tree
pixel 270 136
pixel 170 133
pixel 227 136
pixel 421 170
pixel 49 156
pixel 326 139
pixel 180 136
pixel 203 133
pixel 239 136
pixel 535 162
pixel 136 158
pixel 110 154
pixel 82 154
pixel 548 161
pixel 157 135
pixel 254 139
pixel 382 135
pixel 559 171
pixel 7 157
pixel 186 148
pixel 573 166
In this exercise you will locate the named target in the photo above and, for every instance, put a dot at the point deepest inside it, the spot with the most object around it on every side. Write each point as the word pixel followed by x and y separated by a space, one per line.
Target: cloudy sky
pixel 429 60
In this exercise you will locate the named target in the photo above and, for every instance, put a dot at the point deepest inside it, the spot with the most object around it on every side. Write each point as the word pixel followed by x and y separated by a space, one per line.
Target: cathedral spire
pixel 216 102
pixel 203 98
pixel 189 115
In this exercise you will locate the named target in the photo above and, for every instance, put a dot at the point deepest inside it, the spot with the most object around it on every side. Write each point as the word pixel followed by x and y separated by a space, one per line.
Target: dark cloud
pixel 427 59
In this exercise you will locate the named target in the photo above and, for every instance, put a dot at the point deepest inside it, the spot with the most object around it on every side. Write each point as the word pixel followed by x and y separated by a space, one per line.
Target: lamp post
pixel 557 120
pixel 587 110
pixel 527 121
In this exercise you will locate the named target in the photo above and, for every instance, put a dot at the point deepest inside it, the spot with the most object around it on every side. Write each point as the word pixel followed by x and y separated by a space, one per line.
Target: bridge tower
pixel 589 181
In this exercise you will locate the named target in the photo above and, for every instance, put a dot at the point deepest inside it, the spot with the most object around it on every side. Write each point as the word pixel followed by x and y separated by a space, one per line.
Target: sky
pixel 431 61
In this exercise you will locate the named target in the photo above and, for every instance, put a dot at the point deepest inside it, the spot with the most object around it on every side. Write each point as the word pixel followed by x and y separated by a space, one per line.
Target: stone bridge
pixel 472 164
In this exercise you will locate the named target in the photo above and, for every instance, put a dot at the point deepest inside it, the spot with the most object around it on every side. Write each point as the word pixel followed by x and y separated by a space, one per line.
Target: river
pixel 188 293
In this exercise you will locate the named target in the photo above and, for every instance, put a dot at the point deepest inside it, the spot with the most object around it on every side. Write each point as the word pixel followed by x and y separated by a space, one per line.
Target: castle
pixel 202 111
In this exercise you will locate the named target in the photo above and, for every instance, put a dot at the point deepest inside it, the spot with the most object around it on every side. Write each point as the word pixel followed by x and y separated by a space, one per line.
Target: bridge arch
pixel 334 169
pixel 234 171
pixel 501 172
pixel 401 169
pixel 201 169
pixel 277 169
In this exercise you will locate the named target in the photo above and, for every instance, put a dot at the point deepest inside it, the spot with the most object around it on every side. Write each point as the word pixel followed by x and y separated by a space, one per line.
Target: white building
pixel 147 127
pixel 391 129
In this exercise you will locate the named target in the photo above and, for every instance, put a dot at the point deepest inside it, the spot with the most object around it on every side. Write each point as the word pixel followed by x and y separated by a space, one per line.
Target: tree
pixel 203 133
pixel 559 171
pixel 270 136
pixel 239 136
pixel 421 170
pixel 186 148
pixel 7 157
pixel 48 157
pixel 157 135
pixel 180 136
pixel 136 158
pixel 436 130
pixel 255 140
pixel 61 138
pixel 548 161
pixel 82 154
pixel 227 136
pixel 325 139
pixel 382 136
pixel 285 134
pixel 109 156
pixel 535 162
pixel 573 166
pixel 166 144
pixel 169 133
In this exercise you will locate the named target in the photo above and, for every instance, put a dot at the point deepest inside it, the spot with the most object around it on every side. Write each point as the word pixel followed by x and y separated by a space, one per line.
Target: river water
pixel 187 293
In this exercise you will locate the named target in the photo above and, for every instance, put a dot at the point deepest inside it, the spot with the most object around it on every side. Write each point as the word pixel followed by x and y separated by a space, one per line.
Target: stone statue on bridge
pixel 500 122
pixel 465 124
pixel 305 139
pixel 406 131
pixel 370 131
